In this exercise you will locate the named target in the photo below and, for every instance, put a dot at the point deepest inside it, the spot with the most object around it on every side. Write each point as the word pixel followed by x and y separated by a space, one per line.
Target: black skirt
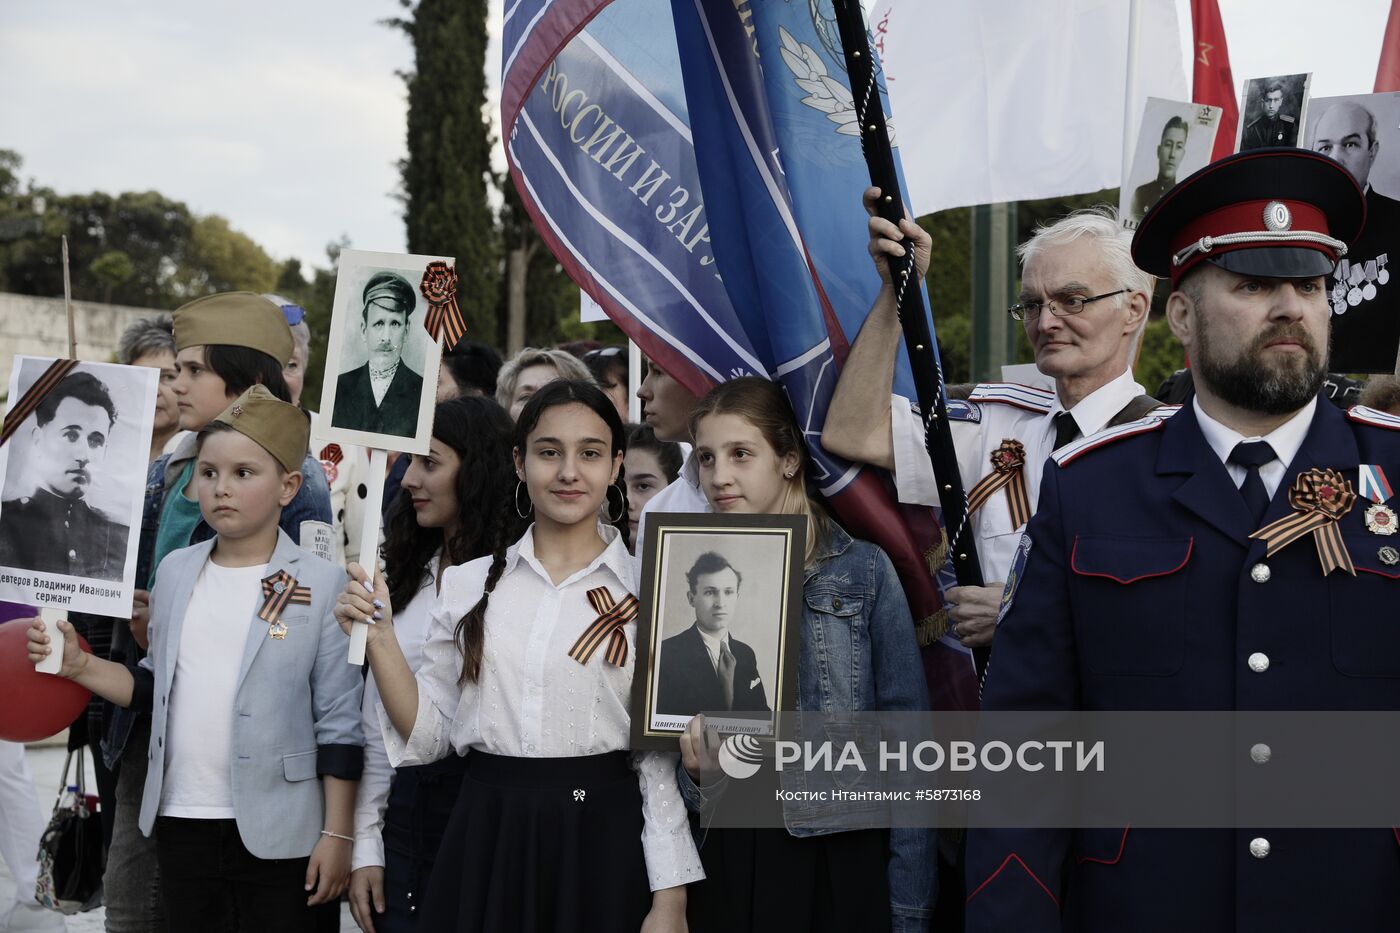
pixel 542 845
pixel 760 880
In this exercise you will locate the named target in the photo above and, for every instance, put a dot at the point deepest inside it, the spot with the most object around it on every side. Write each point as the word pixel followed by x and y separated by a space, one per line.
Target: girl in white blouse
pixel 558 827
pixel 453 503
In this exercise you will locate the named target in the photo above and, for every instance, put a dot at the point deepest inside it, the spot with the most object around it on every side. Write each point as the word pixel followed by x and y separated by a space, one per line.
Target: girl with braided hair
pixel 527 672
pixel 454 502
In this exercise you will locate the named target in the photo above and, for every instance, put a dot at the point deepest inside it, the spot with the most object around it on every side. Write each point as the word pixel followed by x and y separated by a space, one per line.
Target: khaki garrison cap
pixel 282 429
pixel 234 319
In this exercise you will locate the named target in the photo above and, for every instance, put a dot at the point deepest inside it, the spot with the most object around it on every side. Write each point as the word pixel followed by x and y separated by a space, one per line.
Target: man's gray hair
pixel 1102 224
pixel 565 364
pixel 148 335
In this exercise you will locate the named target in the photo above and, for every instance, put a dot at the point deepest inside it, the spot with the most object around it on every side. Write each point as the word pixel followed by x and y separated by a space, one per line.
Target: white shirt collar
pixel 690 470
pixel 712 642
pixel 614 557
pixel 1285 439
pixel 1094 410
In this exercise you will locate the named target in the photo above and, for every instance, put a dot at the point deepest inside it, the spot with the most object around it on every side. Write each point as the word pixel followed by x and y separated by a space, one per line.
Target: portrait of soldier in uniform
pixel 52 528
pixel 1272 111
pixel 1170 152
pixel 383 395
pixel 704 667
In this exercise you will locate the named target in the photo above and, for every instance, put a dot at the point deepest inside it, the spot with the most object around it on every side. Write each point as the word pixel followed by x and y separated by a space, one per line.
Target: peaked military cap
pixel 1275 212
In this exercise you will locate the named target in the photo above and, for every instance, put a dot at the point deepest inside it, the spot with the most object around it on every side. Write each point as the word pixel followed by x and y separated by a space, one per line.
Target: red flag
pixel 1211 82
pixel 1388 72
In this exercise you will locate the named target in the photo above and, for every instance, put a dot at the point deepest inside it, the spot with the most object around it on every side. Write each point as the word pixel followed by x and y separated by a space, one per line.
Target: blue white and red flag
pixel 696 167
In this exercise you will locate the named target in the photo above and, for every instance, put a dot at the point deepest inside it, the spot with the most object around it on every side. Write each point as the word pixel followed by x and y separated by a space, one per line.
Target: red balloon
pixel 33 706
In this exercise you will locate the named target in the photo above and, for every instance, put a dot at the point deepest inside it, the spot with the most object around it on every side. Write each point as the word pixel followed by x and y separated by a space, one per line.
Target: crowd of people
pixel 250 781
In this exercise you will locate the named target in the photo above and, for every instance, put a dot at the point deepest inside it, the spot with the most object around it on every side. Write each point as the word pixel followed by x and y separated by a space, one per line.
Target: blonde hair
pixel 764 405
pixel 568 366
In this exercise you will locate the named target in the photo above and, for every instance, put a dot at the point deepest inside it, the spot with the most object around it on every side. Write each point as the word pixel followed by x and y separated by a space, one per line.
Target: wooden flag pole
pixel 369 542
pixel 913 311
pixel 68 304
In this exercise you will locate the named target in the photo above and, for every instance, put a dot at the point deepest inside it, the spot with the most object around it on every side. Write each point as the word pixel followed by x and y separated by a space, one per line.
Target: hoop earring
pixel 621 503
pixel 523 513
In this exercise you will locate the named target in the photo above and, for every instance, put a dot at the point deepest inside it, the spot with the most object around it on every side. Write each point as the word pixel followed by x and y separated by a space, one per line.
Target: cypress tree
pixel 449 153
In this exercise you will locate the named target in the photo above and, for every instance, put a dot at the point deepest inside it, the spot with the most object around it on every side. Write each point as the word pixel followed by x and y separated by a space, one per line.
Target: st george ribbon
pixel 697 169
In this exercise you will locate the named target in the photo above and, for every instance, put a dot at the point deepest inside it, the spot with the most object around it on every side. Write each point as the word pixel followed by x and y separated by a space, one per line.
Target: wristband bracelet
pixel 327 832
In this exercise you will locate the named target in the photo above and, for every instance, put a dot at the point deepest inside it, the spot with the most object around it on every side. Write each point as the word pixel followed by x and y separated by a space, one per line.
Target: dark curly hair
pixel 480 432
pixel 471 629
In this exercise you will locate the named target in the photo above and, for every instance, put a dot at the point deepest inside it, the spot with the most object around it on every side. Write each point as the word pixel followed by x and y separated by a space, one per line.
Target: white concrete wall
pixel 38 327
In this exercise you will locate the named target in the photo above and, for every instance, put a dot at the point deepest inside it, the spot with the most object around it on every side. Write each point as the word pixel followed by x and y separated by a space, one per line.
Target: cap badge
pixel 237 411
pixel 1277 216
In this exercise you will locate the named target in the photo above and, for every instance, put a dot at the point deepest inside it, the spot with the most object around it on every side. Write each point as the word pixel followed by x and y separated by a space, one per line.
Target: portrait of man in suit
pixel 705 668
pixel 383 395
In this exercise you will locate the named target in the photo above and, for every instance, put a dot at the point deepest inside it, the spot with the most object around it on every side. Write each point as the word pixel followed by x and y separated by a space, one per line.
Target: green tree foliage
pixel 448 167
pixel 111 269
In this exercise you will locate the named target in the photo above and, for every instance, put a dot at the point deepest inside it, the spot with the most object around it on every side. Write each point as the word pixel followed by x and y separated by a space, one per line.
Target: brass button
pixel 1259 847
pixel 1260 573
pixel 1261 753
pixel 1258 662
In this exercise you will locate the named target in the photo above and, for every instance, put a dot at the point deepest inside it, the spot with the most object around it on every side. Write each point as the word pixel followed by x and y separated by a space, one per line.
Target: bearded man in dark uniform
pixel 53 529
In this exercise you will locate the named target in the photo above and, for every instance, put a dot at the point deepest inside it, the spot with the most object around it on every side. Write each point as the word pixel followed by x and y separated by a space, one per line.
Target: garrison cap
pixel 280 428
pixel 235 319
pixel 1274 212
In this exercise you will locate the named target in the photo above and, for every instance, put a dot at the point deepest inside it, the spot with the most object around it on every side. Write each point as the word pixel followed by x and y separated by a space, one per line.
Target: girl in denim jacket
pixel 858 653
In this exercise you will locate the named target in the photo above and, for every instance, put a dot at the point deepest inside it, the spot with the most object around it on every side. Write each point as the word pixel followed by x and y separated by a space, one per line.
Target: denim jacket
pixel 857 653
pixel 311 504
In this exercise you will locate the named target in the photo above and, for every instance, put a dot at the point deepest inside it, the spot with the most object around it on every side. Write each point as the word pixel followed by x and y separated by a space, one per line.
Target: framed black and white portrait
pixel 1362 132
pixel 1175 139
pixel 1273 111
pixel 719 626
pixel 381 364
pixel 74 468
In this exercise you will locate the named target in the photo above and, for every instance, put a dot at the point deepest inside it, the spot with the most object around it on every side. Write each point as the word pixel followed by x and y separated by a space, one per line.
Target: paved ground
pixel 46 763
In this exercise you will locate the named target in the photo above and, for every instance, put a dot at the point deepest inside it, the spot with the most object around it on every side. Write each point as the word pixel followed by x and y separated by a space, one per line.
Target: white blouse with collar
pixel 534 701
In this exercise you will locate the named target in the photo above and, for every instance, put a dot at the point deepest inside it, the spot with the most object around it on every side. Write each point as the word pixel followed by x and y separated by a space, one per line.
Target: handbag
pixel 71 854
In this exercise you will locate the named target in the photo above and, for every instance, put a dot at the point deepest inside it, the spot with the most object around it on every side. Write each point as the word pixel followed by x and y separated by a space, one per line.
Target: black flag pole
pixel 913 312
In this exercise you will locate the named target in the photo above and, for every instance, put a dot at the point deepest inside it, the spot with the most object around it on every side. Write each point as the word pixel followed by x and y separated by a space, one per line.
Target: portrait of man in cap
pixel 1365 309
pixel 383 395
pixel 50 525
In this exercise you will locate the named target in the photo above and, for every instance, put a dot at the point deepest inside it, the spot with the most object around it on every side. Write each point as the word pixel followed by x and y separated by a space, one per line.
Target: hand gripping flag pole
pixel 913 312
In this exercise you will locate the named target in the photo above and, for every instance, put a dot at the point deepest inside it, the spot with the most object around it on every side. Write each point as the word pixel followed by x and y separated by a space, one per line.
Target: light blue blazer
pixel 296 712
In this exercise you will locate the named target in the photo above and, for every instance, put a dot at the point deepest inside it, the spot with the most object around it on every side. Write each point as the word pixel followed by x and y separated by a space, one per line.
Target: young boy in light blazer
pixel 250 696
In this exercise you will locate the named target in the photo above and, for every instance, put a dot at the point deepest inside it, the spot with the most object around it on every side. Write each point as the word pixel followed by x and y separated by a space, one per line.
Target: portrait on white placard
pixel 74 468
pixel 381 363
pixel 1175 138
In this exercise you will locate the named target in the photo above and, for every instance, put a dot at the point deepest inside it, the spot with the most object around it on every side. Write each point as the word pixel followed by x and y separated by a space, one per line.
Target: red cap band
pixel 1248 217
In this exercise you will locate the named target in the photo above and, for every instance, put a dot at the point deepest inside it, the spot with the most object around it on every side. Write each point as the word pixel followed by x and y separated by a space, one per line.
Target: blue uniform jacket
pixel 1138 595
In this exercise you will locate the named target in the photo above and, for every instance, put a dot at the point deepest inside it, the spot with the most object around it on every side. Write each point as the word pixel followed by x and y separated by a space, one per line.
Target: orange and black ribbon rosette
pixel 279 591
pixel 612 618
pixel 1008 472
pixel 439 287
pixel 1319 499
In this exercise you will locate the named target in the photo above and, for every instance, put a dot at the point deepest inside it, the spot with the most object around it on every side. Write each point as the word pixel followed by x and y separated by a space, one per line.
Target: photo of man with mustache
pixel 382 396
pixel 53 529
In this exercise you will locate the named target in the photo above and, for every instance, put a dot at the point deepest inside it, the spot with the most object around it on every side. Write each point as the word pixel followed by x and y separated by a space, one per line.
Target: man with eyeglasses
pixel 1083 305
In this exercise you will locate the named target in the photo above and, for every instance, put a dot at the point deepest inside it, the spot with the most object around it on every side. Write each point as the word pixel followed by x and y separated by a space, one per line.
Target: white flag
pixel 1010 100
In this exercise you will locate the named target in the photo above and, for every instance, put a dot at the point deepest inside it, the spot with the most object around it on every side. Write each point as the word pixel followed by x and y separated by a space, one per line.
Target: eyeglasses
pixel 1060 307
